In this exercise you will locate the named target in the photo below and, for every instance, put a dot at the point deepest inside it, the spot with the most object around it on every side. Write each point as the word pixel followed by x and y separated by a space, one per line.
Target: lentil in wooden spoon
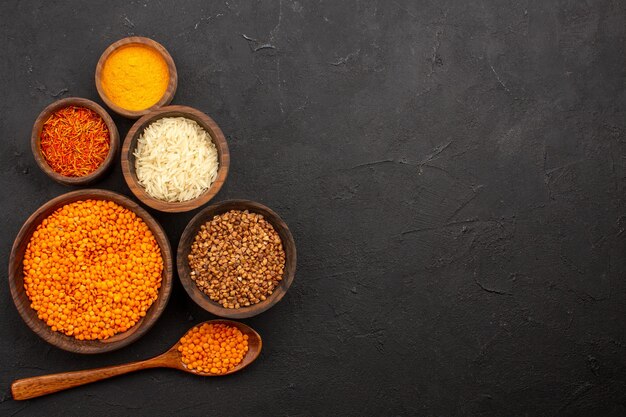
pixel 212 348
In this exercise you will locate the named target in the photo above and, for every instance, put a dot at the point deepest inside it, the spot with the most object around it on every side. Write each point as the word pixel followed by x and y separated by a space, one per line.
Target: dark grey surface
pixel 453 173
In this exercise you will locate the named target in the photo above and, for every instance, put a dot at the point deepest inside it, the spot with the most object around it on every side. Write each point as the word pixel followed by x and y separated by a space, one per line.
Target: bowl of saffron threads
pixel 74 141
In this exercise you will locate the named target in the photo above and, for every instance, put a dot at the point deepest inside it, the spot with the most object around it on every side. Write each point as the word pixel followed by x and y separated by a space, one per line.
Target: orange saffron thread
pixel 74 141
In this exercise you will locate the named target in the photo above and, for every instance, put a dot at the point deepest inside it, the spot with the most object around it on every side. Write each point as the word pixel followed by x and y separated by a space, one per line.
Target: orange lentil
pixel 73 280
pixel 213 348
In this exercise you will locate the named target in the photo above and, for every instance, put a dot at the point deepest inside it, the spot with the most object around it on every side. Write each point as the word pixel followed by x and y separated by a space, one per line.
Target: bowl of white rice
pixel 175 159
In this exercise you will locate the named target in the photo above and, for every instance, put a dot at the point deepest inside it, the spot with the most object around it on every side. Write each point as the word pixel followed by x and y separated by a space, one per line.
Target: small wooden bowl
pixel 128 159
pixel 169 91
pixel 58 339
pixel 187 238
pixel 35 141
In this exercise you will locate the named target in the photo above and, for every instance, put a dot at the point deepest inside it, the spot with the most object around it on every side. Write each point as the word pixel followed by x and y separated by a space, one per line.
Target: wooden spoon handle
pixel 37 386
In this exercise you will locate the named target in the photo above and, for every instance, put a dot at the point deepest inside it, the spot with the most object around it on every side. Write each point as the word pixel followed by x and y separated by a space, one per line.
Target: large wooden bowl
pixel 58 339
pixel 184 247
pixel 35 141
pixel 128 159
pixel 171 86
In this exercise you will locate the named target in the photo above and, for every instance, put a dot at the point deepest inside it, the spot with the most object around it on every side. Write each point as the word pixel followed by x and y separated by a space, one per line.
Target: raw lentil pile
pixel 237 259
pixel 213 348
pixel 92 269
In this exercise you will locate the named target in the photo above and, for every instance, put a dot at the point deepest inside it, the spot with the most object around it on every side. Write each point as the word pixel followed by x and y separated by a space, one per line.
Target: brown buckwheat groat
pixel 237 259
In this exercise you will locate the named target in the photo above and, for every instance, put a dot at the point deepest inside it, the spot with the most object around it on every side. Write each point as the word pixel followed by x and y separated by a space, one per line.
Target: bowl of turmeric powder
pixel 90 271
pixel 136 75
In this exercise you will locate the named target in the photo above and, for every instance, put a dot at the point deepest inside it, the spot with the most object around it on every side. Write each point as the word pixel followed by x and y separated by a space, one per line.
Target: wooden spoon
pixel 26 388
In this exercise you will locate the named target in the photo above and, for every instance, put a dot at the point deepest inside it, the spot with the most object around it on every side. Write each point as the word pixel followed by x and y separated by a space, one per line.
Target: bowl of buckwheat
pixel 236 258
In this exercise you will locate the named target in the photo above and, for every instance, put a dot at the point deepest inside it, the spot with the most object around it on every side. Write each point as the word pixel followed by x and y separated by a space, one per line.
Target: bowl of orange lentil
pixel 74 141
pixel 90 271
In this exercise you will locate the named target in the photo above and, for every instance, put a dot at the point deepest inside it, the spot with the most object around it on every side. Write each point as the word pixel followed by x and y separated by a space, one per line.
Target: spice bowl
pixel 35 141
pixel 23 303
pixel 187 239
pixel 128 158
pixel 172 83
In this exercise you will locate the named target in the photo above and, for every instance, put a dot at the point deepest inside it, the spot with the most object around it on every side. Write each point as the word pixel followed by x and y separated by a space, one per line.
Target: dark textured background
pixel 453 172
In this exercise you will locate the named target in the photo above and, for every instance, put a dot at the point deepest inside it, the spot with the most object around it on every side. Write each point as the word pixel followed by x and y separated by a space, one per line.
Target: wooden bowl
pixel 184 247
pixel 35 141
pixel 128 159
pixel 58 339
pixel 169 91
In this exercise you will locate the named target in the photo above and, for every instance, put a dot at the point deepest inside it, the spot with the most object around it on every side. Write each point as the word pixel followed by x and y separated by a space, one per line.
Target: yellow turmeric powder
pixel 135 77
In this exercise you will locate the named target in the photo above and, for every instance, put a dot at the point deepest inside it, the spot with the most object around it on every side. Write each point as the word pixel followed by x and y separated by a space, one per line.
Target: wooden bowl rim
pixel 172 85
pixel 35 140
pixel 214 132
pixel 202 299
pixel 120 340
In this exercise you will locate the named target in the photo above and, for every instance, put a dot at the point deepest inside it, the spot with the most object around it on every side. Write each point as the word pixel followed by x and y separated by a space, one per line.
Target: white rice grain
pixel 175 159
